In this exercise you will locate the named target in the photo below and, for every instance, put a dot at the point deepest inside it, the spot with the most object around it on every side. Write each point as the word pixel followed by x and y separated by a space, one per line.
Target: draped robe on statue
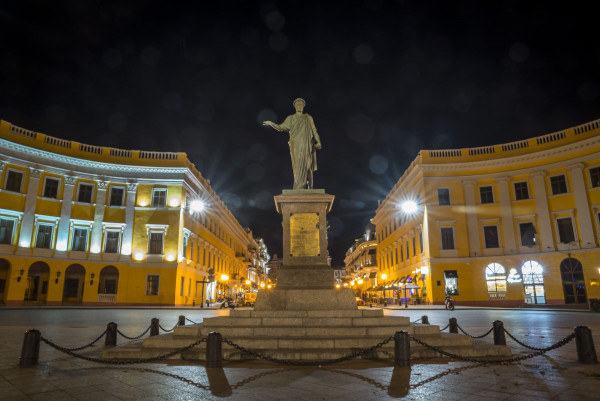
pixel 303 137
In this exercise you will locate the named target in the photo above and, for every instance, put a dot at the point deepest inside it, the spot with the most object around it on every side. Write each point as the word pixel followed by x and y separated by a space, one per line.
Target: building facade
pixel 360 264
pixel 94 225
pixel 506 225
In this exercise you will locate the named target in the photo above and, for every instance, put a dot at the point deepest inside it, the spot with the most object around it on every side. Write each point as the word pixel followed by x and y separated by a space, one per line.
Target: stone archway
pixel 36 289
pixel 573 281
pixel 74 284
pixel 108 284
pixel 4 279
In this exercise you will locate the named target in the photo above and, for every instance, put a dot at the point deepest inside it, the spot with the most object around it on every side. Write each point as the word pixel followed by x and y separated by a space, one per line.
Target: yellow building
pixel 95 225
pixel 361 264
pixel 504 225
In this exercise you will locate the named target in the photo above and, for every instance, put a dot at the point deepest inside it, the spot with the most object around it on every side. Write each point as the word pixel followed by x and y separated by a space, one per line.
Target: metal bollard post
pixel 586 352
pixel 214 355
pixel 453 325
pixel 181 321
pixel 424 319
pixel 499 338
pixel 111 335
pixel 401 348
pixel 31 348
pixel 154 326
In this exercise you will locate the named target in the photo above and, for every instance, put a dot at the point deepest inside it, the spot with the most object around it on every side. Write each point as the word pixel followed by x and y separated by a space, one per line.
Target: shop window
pixel 152 281
pixel 51 188
pixel 565 230
pixel 116 196
pixel 558 183
pixel 451 279
pixel 112 242
pixel 533 282
pixel 595 177
pixel 527 231
pixel 495 276
pixel 7 228
pixel 486 194
pixel 443 196
pixel 159 197
pixel 80 236
pixel 490 234
pixel 43 237
pixel 521 190
pixel 14 180
pixel 447 238
pixel 84 194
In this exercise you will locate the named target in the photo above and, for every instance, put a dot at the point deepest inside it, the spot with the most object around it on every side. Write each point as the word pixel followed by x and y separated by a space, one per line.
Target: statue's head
pixel 299 104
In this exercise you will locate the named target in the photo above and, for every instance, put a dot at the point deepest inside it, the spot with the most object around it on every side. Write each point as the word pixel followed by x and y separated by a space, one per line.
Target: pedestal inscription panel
pixel 304 234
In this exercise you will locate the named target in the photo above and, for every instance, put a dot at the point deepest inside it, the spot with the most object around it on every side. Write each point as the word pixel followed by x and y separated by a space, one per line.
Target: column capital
pixel 576 166
pixel 502 180
pixel 69 180
pixel 35 173
pixel 132 186
pixel 102 184
pixel 539 173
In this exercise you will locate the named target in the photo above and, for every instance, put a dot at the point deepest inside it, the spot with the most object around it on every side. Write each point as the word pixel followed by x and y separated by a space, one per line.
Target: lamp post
pixel 384 277
pixel 202 293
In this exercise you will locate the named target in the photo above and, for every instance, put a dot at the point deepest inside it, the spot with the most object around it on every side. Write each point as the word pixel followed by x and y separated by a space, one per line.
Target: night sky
pixel 382 80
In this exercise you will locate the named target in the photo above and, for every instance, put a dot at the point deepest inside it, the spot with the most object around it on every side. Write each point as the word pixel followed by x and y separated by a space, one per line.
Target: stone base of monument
pixel 305 335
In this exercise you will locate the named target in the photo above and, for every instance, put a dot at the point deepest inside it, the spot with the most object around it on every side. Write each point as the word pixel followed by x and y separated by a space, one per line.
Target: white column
pixel 96 237
pixel 543 213
pixel 126 242
pixel 508 227
pixel 586 230
pixel 472 222
pixel 29 211
pixel 62 236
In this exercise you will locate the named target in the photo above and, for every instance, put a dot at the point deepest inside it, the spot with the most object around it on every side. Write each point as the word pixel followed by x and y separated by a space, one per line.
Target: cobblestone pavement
pixel 556 375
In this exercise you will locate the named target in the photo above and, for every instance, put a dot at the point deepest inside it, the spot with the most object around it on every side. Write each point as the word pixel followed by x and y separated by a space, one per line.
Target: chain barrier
pixel 448 325
pixel 418 320
pixel 559 344
pixel 168 331
pixel 522 344
pixel 134 338
pixel 122 361
pixel 90 344
pixel 308 363
pixel 468 335
pixel 191 321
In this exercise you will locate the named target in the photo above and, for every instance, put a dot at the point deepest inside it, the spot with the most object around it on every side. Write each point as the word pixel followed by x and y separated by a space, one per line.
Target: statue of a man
pixel 304 141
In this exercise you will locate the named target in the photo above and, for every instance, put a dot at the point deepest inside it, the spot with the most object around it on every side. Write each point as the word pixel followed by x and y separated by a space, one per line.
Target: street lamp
pixel 197 206
pixel 384 277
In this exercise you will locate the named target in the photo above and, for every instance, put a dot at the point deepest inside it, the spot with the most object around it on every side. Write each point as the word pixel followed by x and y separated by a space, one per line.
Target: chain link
pixel 448 325
pixel 168 331
pixel 122 361
pixel 522 344
pixel 191 321
pixel 468 335
pixel 134 338
pixel 418 320
pixel 90 344
pixel 308 363
pixel 490 361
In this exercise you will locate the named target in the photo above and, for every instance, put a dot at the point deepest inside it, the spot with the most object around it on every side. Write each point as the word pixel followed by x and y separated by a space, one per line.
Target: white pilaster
pixel 62 236
pixel 96 237
pixel 508 228
pixel 543 213
pixel 586 230
pixel 129 216
pixel 26 231
pixel 472 222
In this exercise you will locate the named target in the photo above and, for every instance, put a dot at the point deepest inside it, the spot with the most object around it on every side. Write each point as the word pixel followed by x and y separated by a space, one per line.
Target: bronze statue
pixel 304 141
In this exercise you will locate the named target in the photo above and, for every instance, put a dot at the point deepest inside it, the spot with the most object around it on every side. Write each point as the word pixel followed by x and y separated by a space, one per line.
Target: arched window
pixel 495 276
pixel 533 282
pixel 573 281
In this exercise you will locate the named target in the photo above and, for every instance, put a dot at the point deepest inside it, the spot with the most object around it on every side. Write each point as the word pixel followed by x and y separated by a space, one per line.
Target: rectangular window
pixel 414 244
pixel 51 188
pixel 396 256
pixel 116 196
pixel 565 230
pixel 447 238
pixel 421 242
pixel 407 250
pixel 451 278
pixel 443 196
pixel 152 281
pixel 112 242
pixel 182 284
pixel 79 239
pixel 487 195
pixel 156 244
pixel 85 193
pixel 558 184
pixel 14 179
pixel 490 234
pixel 521 190
pixel 159 197
pixel 401 253
pixel 6 231
pixel 185 247
pixel 595 177
pixel 44 236
pixel 527 234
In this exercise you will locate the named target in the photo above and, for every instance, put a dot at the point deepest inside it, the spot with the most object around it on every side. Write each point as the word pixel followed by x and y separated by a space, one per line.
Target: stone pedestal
pixel 305 281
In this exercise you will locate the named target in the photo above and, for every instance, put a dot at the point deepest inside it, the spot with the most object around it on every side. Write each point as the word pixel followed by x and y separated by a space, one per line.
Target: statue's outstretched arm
pixel 284 126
